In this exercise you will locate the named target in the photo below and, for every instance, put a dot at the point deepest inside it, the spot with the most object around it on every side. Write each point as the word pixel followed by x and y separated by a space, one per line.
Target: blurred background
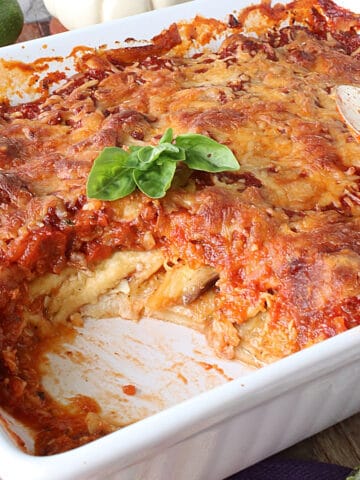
pixel 339 444
pixel 34 10
pixel 71 14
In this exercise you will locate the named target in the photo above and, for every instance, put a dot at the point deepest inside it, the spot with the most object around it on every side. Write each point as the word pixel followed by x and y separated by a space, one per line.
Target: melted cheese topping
pixel 265 260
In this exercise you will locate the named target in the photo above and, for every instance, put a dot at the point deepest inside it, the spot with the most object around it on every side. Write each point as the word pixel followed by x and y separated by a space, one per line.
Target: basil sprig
pixel 116 172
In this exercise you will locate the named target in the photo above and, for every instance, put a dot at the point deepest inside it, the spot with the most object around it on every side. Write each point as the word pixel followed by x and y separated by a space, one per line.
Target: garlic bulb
pixel 80 13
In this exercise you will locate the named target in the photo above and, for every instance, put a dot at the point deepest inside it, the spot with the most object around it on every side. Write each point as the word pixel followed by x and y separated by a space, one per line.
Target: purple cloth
pixel 284 469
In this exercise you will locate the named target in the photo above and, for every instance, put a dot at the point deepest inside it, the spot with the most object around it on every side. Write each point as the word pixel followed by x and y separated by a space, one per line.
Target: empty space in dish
pixel 166 363
pixel 131 369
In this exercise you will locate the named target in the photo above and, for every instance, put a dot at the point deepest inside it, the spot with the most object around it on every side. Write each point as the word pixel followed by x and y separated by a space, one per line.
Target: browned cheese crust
pixel 265 260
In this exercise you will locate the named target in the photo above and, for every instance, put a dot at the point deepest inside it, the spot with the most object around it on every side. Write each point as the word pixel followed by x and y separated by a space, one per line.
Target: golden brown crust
pixel 280 237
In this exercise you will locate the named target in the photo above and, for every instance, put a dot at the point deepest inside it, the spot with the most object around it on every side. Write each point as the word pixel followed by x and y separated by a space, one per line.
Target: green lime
pixel 11 21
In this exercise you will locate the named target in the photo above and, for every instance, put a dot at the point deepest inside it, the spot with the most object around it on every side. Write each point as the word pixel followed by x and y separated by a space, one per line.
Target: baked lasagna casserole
pixel 264 260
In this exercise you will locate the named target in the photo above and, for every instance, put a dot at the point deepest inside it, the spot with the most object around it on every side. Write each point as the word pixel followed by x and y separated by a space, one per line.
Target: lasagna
pixel 264 260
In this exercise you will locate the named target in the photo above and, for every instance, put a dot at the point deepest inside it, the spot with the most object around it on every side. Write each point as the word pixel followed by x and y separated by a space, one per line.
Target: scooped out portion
pixel 264 259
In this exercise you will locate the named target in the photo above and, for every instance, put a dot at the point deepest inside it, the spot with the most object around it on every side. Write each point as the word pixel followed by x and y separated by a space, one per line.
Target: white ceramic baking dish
pixel 196 424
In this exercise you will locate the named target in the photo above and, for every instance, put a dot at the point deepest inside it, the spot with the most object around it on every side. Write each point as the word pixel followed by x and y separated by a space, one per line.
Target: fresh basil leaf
pixel 155 181
pixel 112 187
pixel 116 172
pixel 176 154
pixel 203 153
pixel 133 158
pixel 150 154
pixel 110 178
pixel 135 148
pixel 166 151
pixel 167 137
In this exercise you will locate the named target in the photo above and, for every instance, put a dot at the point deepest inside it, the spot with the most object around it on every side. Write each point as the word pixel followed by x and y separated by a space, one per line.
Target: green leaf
pixel 155 181
pixel 203 153
pixel 149 155
pixel 133 160
pixel 135 148
pixel 176 154
pixel 116 172
pixel 110 178
pixel 167 137
pixel 354 475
